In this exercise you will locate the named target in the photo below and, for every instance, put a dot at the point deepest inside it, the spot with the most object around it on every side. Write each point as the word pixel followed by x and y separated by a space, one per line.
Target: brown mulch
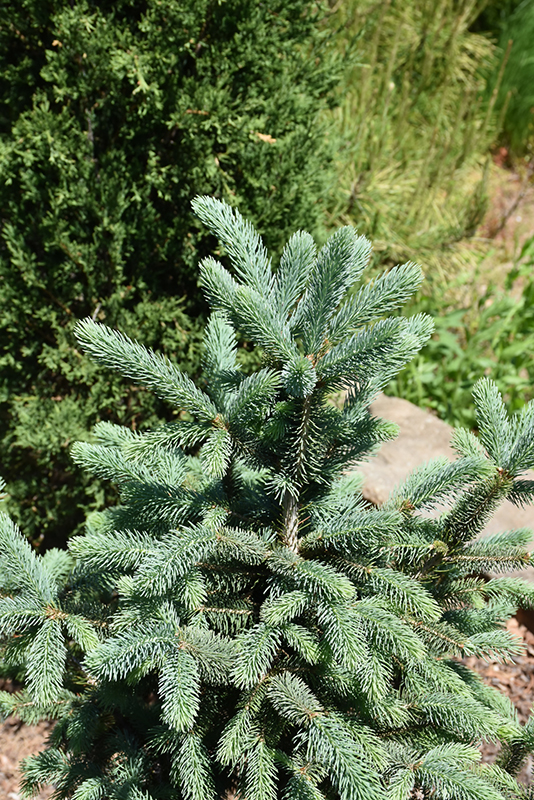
pixel 516 681
pixel 17 741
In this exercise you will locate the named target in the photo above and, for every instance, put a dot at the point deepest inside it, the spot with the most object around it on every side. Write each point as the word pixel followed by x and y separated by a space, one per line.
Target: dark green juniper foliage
pixel 113 115
pixel 244 621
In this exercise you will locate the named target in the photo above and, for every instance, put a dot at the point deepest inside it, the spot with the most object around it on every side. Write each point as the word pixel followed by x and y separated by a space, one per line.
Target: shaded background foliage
pixel 517 92
pixel 113 116
pixel 512 24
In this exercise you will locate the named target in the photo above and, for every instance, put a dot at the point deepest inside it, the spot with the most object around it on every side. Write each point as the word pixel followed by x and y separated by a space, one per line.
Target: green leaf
pixel 339 265
pixel 376 299
pixel 284 607
pixel 21 567
pixel 293 699
pixel 261 772
pixel 494 426
pixel 401 785
pixel 82 631
pixel 296 264
pixel 46 663
pixel 179 687
pixel 349 764
pixel 194 767
pixel 144 646
pixel 256 649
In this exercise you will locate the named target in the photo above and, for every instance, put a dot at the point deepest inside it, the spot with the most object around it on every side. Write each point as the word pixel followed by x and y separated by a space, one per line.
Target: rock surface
pixel 423 436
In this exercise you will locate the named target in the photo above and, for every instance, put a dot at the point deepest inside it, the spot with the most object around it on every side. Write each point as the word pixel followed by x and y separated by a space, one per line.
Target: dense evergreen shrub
pixel 244 624
pixel 112 115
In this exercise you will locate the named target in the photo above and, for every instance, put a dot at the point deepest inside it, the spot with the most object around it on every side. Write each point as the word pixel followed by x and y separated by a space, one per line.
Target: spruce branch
pixel 245 248
pixel 116 351
pixel 243 622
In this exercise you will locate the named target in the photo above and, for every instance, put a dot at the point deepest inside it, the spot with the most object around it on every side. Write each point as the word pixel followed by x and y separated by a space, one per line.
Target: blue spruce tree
pixel 243 624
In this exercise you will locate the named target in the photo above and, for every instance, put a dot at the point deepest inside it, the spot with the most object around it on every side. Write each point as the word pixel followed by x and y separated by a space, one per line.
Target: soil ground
pixel 517 682
pixel 508 223
pixel 17 741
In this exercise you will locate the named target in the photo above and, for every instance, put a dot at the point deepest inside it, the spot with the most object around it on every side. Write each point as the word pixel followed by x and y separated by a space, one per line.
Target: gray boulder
pixel 423 436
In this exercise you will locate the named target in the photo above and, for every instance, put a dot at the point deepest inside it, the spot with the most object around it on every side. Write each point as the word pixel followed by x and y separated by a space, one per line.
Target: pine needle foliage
pixel 416 122
pixel 244 624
